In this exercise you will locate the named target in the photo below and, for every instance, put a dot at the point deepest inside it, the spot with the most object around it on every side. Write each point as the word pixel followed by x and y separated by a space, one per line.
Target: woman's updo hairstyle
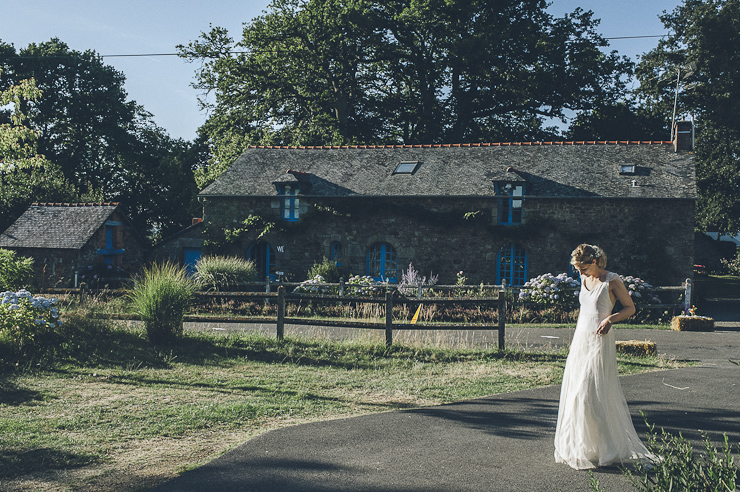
pixel 588 253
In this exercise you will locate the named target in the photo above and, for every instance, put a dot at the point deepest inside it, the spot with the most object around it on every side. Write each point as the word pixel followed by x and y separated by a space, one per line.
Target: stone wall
pixel 651 238
pixel 171 249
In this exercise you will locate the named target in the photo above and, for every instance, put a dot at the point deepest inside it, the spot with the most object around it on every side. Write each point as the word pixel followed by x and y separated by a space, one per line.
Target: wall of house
pixel 644 237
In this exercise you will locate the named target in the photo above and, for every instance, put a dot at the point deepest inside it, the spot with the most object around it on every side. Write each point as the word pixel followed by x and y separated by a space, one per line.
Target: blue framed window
pixel 263 256
pixel 510 202
pixel 573 272
pixel 511 265
pixel 336 253
pixel 382 262
pixel 289 202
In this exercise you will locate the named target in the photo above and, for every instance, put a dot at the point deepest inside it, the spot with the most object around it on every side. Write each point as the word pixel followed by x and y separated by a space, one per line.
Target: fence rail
pixel 391 297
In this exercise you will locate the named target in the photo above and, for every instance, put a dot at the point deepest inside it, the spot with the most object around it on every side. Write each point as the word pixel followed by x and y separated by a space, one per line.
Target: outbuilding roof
pixel 549 169
pixel 57 225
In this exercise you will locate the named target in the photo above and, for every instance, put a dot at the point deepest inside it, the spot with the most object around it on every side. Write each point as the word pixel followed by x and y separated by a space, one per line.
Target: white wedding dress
pixel 594 424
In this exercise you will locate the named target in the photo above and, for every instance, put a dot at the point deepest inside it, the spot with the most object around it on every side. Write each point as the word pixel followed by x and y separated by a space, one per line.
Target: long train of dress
pixel 594 425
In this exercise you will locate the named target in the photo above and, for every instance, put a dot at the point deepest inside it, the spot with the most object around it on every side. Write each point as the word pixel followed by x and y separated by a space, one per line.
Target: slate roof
pixel 550 169
pixel 57 225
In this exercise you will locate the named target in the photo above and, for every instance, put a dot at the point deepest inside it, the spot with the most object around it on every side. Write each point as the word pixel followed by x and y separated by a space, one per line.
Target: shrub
pixel 410 280
pixel 679 468
pixel 160 296
pixel 732 266
pixel 640 291
pixel 16 272
pixel 223 272
pixel 362 285
pixel 312 285
pixel 326 269
pixel 547 290
pixel 27 320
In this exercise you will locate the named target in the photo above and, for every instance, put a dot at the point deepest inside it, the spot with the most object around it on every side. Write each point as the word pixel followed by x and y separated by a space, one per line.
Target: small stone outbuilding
pixel 75 242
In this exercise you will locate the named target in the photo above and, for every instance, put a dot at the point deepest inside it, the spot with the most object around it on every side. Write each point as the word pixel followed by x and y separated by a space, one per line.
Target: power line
pixel 245 52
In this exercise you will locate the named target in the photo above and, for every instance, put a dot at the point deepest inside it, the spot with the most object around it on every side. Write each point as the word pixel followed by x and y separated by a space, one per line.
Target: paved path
pixel 498 443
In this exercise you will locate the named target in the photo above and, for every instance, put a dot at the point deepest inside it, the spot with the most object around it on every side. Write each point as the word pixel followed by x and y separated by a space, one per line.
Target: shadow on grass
pixel 18 462
pixel 12 394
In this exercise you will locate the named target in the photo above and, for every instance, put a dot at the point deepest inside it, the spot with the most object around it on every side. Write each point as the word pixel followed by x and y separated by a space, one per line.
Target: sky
pixel 162 84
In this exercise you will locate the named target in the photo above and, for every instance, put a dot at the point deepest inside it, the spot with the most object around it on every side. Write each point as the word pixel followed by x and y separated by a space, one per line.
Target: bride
pixel 594 424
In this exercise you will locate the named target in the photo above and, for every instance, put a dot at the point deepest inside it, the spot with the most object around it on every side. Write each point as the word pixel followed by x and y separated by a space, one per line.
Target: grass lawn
pixel 113 413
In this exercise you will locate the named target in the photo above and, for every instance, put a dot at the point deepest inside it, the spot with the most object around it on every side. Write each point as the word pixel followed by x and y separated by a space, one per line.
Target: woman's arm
pixel 616 286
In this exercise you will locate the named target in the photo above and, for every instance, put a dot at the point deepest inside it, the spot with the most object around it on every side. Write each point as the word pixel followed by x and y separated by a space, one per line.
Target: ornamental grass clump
pixel 551 291
pixel 223 272
pixel 160 296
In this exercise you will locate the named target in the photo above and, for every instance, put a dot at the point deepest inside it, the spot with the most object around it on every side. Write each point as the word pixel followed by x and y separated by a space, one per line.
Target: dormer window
pixel 510 201
pixel 290 202
pixel 407 167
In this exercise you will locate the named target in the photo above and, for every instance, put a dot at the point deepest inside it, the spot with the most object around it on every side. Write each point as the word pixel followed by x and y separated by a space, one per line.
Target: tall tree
pixel 397 71
pixel 623 120
pixel 697 69
pixel 106 146
pixel 25 176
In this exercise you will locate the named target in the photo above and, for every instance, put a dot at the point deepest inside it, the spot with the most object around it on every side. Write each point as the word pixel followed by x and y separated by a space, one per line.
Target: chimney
pixel 684 136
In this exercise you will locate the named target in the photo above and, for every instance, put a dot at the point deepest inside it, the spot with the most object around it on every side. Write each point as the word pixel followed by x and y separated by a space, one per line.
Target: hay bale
pixel 636 347
pixel 692 323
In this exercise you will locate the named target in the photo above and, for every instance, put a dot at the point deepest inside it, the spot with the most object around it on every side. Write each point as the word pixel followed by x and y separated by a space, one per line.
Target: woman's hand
pixel 604 327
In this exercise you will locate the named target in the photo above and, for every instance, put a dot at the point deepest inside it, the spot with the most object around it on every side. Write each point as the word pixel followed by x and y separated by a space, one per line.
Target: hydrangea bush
pixel 363 285
pixel 312 285
pixel 25 319
pixel 548 290
pixel 640 291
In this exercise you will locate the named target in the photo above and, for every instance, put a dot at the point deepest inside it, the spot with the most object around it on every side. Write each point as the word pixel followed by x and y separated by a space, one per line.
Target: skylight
pixel 407 167
pixel 627 169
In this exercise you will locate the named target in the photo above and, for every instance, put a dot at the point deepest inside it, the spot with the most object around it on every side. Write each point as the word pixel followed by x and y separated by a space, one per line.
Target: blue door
pixel 191 256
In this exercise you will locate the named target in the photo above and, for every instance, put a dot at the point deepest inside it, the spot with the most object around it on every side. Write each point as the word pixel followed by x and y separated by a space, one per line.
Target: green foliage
pixel 679 467
pixel 223 272
pixel 102 145
pixel 25 176
pixel 160 296
pixel 700 59
pixel 254 227
pixel 733 265
pixel 27 324
pixel 623 120
pixel 326 269
pixel 398 72
pixel 16 272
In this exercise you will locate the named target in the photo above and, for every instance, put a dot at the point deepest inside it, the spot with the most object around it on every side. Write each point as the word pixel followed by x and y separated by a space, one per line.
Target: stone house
pixel 507 211
pixel 74 242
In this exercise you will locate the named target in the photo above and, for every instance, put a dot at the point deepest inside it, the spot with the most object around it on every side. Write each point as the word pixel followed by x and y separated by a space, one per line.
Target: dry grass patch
pixel 118 425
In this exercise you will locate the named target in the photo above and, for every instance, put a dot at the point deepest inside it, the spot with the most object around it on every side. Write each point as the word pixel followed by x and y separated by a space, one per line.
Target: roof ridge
pixel 459 145
pixel 75 204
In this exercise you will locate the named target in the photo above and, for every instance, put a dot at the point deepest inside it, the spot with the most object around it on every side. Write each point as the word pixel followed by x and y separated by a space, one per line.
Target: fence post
pixel 281 313
pixel 341 286
pixel 502 315
pixel 687 297
pixel 267 284
pixel 82 294
pixel 419 291
pixel 388 318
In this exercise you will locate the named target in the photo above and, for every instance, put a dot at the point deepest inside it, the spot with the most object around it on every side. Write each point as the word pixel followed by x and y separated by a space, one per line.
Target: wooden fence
pixel 389 296
pixel 281 298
